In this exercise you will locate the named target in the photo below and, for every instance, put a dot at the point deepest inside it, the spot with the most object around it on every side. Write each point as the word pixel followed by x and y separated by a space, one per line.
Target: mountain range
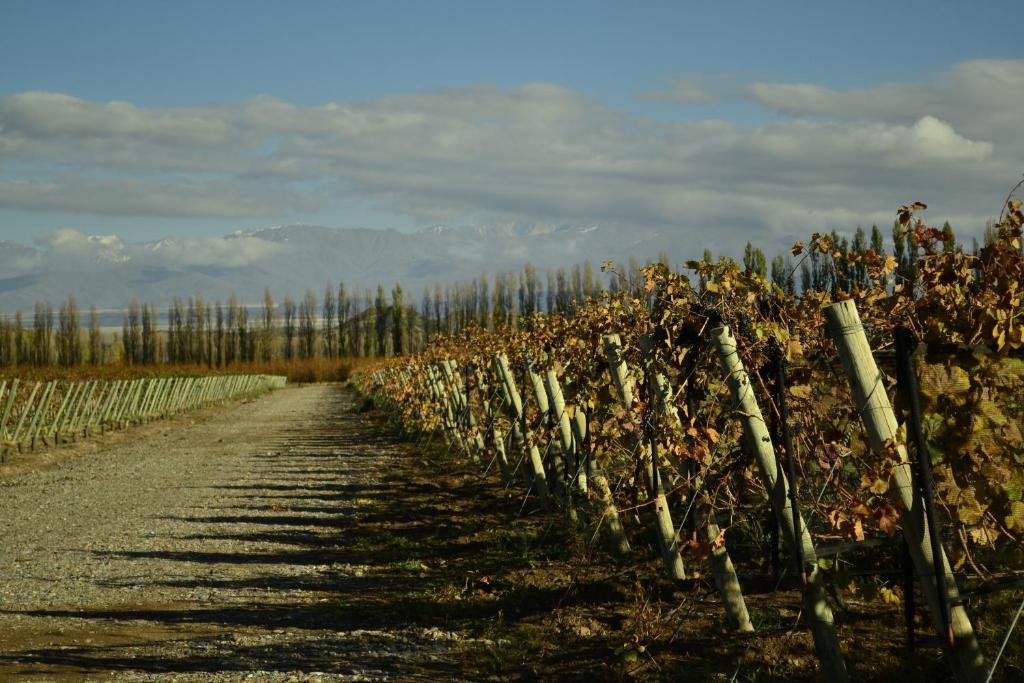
pixel 108 271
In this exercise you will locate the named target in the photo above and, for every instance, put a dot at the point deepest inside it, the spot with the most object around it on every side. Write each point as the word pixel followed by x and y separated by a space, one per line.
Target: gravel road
pixel 241 545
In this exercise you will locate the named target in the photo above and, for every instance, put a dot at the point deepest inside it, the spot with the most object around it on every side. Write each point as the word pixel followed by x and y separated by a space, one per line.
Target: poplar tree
pixel 289 328
pixel 328 331
pixel 397 321
pixel 344 311
pixel 21 347
pixel 754 260
pixel 267 333
pixel 355 325
pixel 307 325
pixel 69 341
pixel 148 340
pixel 380 320
pixel 368 325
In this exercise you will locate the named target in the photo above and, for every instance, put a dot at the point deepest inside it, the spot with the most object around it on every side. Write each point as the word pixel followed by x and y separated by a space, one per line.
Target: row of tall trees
pixel 46 343
pixel 194 331
pixel 367 323
pixel 511 295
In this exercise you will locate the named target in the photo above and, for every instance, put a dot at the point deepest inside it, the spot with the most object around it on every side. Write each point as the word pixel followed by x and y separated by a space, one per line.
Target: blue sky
pixel 447 74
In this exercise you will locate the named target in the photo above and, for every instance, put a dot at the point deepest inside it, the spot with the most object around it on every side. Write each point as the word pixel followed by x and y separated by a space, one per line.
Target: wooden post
pixel 464 415
pixel 67 401
pixel 24 413
pixel 722 569
pixel 881 426
pixel 573 449
pixel 448 411
pixel 819 614
pixel 532 454
pixel 71 424
pixel 665 529
pixel 97 404
pixel 3 417
pixel 568 446
pixel 496 437
pixel 38 420
pixel 112 401
pixel 13 391
pixel 553 450
pixel 598 484
pixel 84 407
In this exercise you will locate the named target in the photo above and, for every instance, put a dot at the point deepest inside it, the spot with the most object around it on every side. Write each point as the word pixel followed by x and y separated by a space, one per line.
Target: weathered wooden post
pixel 722 570
pixel 74 417
pixel 598 485
pixel 441 395
pixel 881 426
pixel 497 439
pixel 5 433
pixel 665 530
pixel 16 437
pixel 568 445
pixel 545 420
pixel 465 416
pixel 39 419
pixel 66 400
pixel 539 484
pixel 819 614
pixel 96 407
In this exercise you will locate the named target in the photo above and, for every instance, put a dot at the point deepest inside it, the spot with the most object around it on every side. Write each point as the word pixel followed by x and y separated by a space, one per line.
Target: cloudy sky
pixel 755 121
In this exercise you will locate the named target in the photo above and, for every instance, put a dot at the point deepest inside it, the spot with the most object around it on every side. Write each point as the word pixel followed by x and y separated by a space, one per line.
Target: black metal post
pixel 908 595
pixel 787 443
pixel 907 382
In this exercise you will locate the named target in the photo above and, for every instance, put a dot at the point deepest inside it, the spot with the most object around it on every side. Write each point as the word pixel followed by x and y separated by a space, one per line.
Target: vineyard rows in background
pixel 46 412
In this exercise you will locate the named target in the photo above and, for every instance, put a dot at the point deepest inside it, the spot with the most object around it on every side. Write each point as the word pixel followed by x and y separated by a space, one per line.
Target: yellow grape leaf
pixel 991 412
pixel 801 391
pixel 939 380
pixel 1015 520
pixel 968 508
pixel 889 596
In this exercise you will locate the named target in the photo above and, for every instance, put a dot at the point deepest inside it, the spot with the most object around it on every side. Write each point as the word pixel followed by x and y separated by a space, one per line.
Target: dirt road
pixel 250 545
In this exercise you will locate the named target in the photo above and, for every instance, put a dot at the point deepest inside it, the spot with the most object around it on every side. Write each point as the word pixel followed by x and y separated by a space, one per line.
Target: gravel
pixel 208 550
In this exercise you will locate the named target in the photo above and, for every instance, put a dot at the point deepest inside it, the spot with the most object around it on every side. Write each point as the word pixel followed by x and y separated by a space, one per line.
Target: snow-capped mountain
pixel 108 271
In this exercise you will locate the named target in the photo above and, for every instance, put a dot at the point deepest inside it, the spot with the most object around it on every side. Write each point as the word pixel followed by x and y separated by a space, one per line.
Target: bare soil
pixel 295 538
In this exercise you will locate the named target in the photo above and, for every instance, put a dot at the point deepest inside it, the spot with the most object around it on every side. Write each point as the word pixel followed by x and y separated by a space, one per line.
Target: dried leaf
pixel 801 391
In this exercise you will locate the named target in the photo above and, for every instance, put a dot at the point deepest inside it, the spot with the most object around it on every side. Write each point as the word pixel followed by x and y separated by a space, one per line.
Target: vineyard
pixel 858 446
pixel 43 413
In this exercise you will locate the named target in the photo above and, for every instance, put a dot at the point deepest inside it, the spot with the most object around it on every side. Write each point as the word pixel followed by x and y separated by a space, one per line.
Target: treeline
pixel 511 296
pixel 367 323
pixel 196 332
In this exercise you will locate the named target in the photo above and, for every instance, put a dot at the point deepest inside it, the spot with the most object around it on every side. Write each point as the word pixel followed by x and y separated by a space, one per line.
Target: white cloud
pixel 981 98
pixel 539 152
pixel 108 195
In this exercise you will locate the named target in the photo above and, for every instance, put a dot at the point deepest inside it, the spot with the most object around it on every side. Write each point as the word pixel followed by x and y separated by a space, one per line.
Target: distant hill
pixel 107 271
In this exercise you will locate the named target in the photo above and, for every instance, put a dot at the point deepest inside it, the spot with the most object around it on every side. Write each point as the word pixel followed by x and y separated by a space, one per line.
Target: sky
pixel 726 121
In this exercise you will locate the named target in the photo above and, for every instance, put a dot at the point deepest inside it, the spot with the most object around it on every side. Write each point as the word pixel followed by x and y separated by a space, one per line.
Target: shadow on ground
pixel 370 561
